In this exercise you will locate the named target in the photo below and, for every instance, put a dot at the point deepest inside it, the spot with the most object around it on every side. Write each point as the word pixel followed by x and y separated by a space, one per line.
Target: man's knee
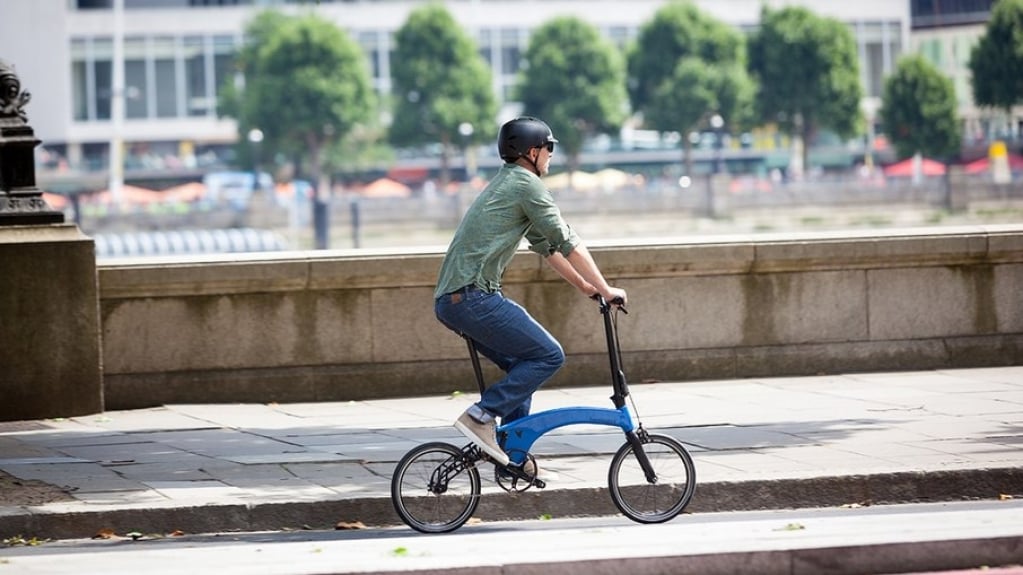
pixel 555 357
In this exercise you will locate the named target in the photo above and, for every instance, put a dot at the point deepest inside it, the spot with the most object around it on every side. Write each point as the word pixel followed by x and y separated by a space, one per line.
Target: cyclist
pixel 468 298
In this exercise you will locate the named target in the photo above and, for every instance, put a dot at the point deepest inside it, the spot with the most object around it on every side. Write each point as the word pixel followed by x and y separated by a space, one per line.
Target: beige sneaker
pixel 533 470
pixel 484 435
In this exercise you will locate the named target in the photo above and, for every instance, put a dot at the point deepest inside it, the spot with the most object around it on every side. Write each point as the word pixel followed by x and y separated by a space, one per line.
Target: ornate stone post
pixel 21 203
pixel 49 304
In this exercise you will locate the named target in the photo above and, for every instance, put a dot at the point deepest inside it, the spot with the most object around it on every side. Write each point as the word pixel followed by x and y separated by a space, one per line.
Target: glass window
pixel 511 54
pixel 79 80
pixel 135 78
pixel 224 49
pixel 370 45
pixel 103 55
pixel 165 74
pixel 197 99
pixel 875 69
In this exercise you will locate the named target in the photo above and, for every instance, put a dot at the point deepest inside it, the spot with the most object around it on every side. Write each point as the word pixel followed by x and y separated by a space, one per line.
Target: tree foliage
pixel 306 87
pixel 919 113
pixel 807 70
pixel 575 81
pixel 996 61
pixel 686 66
pixel 439 83
pixel 678 30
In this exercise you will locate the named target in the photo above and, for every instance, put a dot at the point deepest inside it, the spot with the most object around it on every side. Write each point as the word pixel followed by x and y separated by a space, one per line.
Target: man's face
pixel 543 158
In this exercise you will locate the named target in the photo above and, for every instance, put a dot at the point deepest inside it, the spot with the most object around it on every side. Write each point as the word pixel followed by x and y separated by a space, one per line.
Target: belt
pixel 466 289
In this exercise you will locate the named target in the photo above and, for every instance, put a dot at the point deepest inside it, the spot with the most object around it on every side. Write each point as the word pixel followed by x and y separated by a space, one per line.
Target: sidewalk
pixel 764 443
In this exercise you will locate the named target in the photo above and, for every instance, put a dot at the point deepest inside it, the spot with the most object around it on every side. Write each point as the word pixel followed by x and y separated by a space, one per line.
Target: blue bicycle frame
pixel 521 434
pixel 518 437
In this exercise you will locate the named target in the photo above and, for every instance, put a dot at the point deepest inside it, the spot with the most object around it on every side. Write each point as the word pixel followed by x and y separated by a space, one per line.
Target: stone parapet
pixel 336 325
pixel 49 323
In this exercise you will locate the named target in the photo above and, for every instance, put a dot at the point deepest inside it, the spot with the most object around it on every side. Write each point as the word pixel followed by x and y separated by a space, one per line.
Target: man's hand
pixel 614 294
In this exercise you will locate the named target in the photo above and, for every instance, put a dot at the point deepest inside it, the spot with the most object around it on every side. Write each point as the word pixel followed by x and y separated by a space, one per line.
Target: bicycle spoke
pixel 433 490
pixel 648 502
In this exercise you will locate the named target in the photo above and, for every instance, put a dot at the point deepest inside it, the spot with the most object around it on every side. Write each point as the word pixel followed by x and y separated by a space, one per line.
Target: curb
pixel 831 491
pixel 911 557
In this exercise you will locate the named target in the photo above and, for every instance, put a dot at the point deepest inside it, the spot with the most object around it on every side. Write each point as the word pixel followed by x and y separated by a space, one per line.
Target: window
pixel 79 80
pixel 223 66
pixel 103 79
pixel 511 54
pixel 197 100
pixel 135 78
pixel 165 77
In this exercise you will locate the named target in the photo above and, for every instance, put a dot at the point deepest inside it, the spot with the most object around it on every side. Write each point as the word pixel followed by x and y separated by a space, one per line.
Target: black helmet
pixel 520 135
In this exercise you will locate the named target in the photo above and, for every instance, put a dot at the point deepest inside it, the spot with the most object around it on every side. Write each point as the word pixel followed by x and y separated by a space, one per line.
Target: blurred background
pixel 200 126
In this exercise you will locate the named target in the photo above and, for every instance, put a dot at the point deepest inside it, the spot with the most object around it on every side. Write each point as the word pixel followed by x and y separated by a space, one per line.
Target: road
pixel 882 539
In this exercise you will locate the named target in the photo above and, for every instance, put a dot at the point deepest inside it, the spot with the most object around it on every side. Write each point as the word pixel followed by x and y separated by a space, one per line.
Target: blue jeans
pixel 506 334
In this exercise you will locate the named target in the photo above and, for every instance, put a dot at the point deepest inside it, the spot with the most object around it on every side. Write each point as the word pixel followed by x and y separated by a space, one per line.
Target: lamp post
pixel 466 130
pixel 255 140
pixel 718 124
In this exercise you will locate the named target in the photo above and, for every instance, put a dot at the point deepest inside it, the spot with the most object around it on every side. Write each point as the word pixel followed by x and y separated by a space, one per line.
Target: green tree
pixel 996 61
pixel 684 67
pixel 575 81
pixel 257 33
pixel 807 70
pixel 919 110
pixel 695 91
pixel 440 84
pixel 307 86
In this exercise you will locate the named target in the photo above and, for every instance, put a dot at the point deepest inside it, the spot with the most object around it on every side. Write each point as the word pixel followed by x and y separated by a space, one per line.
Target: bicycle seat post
pixel 474 355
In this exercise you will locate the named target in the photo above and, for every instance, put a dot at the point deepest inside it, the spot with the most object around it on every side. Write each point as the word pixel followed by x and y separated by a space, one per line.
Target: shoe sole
pixel 498 455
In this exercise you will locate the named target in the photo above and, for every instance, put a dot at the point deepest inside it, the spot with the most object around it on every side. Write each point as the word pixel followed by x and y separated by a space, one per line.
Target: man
pixel 514 205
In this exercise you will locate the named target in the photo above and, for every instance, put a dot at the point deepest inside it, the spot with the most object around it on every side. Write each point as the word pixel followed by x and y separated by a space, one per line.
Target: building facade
pixel 177 53
pixel 944 32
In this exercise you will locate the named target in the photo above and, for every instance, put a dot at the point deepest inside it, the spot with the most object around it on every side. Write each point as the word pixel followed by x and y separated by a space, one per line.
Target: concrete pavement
pixel 766 443
pixel 984 536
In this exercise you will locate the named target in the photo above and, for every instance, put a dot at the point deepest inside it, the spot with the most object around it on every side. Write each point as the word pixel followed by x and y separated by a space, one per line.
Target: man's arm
pixel 581 271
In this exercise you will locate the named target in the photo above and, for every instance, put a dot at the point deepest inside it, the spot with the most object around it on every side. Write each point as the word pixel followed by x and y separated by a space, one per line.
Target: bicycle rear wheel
pixel 434 488
pixel 646 502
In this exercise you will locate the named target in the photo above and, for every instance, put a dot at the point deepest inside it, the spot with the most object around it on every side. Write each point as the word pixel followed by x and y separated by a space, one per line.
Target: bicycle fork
pixel 636 439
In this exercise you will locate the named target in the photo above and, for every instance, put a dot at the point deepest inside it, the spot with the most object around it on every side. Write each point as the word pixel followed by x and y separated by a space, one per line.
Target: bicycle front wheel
pixel 434 488
pixel 652 502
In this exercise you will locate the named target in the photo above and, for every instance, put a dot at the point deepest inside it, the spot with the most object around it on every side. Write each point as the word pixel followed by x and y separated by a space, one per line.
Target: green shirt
pixel 515 204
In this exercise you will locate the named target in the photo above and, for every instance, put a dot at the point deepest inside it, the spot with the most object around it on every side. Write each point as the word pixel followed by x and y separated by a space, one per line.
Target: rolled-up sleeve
pixel 548 232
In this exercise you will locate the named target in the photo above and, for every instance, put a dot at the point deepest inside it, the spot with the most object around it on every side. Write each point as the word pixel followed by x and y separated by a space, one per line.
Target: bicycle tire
pixel 434 489
pixel 662 501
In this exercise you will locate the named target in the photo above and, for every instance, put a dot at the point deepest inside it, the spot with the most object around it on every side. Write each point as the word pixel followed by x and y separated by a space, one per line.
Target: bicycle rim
pixel 642 501
pixel 433 490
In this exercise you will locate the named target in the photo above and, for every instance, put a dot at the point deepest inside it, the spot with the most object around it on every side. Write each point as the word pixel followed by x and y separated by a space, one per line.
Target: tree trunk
pixel 687 154
pixel 445 162
pixel 321 196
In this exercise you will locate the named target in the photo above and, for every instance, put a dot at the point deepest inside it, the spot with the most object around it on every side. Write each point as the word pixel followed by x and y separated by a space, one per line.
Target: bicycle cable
pixel 618 353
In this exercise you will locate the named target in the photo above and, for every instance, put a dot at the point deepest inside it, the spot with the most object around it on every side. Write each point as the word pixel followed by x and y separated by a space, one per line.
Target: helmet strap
pixel 532 162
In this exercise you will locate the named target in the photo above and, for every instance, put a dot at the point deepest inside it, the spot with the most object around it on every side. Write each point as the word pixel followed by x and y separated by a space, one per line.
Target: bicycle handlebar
pixel 618 302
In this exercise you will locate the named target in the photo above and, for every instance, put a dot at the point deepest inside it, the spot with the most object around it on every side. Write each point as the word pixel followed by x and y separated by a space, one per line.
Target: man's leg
pixel 509 336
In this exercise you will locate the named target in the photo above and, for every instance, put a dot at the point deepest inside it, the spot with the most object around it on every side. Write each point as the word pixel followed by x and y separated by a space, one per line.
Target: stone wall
pixel 49 323
pixel 312 326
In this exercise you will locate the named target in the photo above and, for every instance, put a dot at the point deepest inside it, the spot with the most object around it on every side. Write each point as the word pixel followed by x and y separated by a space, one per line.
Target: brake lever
pixel 616 302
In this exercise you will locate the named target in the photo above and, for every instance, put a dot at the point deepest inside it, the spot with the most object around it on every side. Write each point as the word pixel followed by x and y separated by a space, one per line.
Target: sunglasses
pixel 549 146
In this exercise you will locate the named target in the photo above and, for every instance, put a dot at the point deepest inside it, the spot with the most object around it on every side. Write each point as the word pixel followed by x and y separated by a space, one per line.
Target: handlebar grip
pixel 604 303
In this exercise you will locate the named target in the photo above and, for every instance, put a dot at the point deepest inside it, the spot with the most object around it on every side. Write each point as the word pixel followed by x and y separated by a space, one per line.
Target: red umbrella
pixel 185 192
pixel 386 188
pixel 984 164
pixel 904 169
